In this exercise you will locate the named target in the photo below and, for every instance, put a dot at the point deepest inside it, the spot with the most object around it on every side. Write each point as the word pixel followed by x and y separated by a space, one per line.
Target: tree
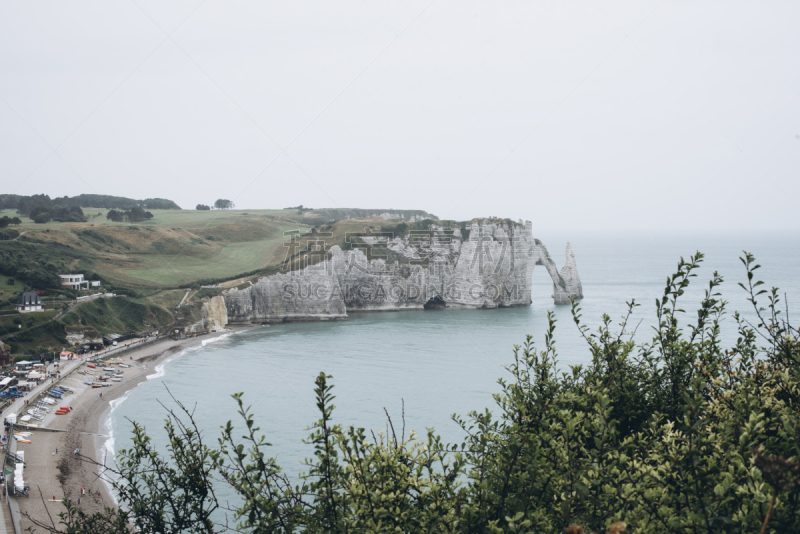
pixel 202 207
pixel 222 204
pixel 42 217
pixel 115 216
pixel 16 221
pixel 135 214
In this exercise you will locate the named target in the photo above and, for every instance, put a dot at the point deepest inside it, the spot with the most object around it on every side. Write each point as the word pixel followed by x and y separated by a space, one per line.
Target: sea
pixel 422 367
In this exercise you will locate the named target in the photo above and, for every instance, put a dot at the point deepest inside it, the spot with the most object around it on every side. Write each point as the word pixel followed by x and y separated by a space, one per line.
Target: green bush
pixel 41 218
pixel 8 234
pixel 50 329
pixel 677 434
pixel 37 266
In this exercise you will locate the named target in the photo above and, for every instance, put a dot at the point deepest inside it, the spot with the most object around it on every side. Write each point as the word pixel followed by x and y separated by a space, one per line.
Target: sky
pixel 653 116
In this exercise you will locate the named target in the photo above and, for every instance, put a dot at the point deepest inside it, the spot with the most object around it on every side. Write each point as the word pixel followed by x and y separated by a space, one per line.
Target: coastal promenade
pixel 10 521
pixel 65 367
pixel 51 472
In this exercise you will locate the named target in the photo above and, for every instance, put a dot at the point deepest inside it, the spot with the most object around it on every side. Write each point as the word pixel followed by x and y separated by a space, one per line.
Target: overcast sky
pixel 641 115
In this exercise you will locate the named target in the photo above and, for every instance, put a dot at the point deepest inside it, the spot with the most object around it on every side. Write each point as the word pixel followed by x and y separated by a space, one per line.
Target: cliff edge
pixel 482 264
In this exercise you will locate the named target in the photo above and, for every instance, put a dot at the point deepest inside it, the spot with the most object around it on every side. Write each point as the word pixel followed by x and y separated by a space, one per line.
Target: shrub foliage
pixel 37 266
pixel 677 434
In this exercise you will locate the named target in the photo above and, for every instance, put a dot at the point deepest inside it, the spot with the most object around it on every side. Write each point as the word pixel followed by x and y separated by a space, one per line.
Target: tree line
pixel 220 204
pixel 6 221
pixel 43 214
pixel 133 215
pixel 676 434
pixel 24 204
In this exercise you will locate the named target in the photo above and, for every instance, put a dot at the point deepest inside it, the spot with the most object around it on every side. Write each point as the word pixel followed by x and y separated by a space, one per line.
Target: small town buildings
pixel 24 366
pixel 5 354
pixel 29 302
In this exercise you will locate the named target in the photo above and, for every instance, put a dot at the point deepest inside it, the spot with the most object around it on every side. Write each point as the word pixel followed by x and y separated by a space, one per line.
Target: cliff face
pixel 487 265
pixel 215 317
pixel 307 295
pixel 78 335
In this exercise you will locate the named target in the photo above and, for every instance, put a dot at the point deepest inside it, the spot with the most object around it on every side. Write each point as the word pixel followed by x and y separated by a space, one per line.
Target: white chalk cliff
pixel 488 265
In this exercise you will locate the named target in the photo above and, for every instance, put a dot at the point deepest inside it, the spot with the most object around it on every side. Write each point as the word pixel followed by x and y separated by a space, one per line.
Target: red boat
pixel 92 366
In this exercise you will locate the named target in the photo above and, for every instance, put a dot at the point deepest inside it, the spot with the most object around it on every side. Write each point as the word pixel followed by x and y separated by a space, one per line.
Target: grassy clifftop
pixel 179 247
pixel 175 248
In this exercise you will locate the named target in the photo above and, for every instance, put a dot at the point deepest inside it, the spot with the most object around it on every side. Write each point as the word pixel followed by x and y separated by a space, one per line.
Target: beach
pixel 53 476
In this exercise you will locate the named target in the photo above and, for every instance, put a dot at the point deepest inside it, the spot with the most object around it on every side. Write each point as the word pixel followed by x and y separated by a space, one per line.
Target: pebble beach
pixel 54 476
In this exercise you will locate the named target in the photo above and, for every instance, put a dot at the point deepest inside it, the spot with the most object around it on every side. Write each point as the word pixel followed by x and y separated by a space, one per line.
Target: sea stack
pixel 572 283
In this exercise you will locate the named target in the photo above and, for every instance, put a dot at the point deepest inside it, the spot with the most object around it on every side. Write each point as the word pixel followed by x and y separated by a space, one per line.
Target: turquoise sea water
pixel 437 362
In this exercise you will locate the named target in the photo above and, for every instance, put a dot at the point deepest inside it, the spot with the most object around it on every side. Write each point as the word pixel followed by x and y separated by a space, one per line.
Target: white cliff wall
pixel 493 269
pixel 489 266
pixel 215 317
pixel 311 294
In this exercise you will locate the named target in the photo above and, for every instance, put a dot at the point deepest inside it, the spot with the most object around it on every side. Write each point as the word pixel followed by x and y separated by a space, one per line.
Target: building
pixel 5 354
pixel 29 302
pixel 77 282
pixel 73 281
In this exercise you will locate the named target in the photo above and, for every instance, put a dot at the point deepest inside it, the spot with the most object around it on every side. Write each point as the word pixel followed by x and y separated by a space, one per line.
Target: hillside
pixel 148 263
pixel 180 247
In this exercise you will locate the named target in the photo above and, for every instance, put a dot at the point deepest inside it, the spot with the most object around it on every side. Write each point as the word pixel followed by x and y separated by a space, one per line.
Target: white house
pixel 29 302
pixel 76 281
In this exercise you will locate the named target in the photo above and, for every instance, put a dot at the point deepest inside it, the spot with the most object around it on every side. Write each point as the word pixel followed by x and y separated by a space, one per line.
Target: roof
pixel 29 298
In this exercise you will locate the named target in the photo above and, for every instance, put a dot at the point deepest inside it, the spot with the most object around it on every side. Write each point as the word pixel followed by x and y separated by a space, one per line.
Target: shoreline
pixel 53 477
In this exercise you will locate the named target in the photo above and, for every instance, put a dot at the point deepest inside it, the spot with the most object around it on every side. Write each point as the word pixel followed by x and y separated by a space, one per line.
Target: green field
pixel 232 259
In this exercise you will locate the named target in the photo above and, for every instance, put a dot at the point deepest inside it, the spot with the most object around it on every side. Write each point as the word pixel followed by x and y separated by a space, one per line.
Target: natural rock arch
pixel 566 283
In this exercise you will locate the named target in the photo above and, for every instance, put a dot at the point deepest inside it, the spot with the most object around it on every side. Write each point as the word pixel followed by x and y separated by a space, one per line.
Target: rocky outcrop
pixel 486 264
pixel 81 335
pixel 215 317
